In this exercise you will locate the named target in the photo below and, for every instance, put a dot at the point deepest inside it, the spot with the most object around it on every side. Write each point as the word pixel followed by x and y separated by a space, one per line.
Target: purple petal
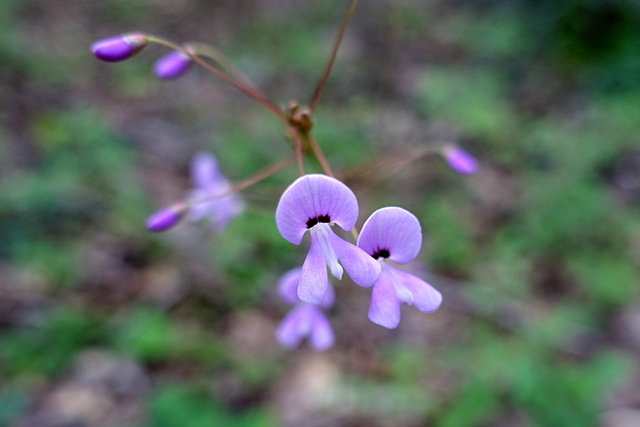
pixel 294 327
pixel 425 297
pixel 313 276
pixel 321 334
pixel 394 230
pixel 459 160
pixel 359 265
pixel 119 48
pixel 385 307
pixel 288 286
pixel 313 196
pixel 205 173
pixel 172 65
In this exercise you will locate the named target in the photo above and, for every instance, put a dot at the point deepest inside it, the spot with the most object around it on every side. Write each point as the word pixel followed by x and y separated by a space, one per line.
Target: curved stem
pixel 298 149
pixel 317 151
pixel 334 52
pixel 241 86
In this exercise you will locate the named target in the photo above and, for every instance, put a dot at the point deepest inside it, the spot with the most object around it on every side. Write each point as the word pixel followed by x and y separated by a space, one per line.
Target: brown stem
pixel 334 52
pixel 317 151
pixel 241 86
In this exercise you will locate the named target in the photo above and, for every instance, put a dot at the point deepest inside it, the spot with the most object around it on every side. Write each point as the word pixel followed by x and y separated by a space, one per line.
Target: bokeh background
pixel 105 324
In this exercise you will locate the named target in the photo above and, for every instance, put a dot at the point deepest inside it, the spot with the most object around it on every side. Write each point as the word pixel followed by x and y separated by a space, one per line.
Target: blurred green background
pixel 105 324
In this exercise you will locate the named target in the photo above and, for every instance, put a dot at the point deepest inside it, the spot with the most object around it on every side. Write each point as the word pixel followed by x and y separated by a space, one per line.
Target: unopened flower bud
pixel 459 160
pixel 172 65
pixel 166 218
pixel 119 48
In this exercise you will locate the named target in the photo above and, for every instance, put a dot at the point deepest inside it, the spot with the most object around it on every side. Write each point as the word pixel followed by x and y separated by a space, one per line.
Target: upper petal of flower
pixel 311 199
pixel 392 233
pixel 205 173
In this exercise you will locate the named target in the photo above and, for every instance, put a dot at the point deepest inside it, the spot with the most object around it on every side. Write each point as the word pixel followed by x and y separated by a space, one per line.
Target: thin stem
pixel 298 149
pixel 317 151
pixel 388 162
pixel 241 86
pixel 252 179
pixel 334 52
pixel 206 50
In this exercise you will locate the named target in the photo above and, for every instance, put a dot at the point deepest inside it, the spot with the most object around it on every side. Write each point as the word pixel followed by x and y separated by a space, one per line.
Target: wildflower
pixel 172 65
pixel 208 198
pixel 314 203
pixel 459 160
pixel 304 320
pixel 167 217
pixel 119 48
pixel 393 233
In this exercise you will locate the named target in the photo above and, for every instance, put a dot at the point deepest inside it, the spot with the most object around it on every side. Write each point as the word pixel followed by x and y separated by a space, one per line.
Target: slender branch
pixel 366 168
pixel 252 179
pixel 241 86
pixel 317 151
pixel 334 52
pixel 298 149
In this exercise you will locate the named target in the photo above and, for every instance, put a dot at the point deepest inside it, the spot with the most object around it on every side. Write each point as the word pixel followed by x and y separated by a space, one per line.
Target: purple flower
pixel 314 203
pixel 172 65
pixel 207 198
pixel 459 160
pixel 305 320
pixel 167 217
pixel 119 48
pixel 395 234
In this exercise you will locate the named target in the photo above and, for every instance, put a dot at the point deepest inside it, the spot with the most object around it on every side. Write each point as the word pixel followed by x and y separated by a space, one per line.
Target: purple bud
pixel 459 160
pixel 166 218
pixel 172 65
pixel 119 48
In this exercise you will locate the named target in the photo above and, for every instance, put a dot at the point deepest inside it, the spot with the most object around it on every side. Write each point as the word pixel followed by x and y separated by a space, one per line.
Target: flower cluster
pixel 315 204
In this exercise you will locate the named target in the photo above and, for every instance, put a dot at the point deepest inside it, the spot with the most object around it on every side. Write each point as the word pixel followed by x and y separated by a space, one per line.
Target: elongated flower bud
pixel 172 65
pixel 166 218
pixel 119 48
pixel 459 160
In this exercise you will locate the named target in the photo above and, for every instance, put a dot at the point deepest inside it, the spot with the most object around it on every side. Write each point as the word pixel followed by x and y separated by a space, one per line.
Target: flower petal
pixel 288 286
pixel 393 229
pixel 294 327
pixel 321 335
pixel 313 276
pixel 362 269
pixel 312 196
pixel 205 173
pixel 385 307
pixel 425 297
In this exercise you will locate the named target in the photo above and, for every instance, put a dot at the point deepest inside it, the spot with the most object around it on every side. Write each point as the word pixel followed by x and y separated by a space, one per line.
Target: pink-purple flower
pixel 459 160
pixel 304 320
pixel 209 198
pixel 172 65
pixel 394 234
pixel 119 48
pixel 314 203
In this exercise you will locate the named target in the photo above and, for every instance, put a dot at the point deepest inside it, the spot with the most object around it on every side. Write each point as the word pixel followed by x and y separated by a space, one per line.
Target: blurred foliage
pixel 545 93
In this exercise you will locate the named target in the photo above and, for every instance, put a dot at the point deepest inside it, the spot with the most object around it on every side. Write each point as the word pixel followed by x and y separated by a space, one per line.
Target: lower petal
pixel 385 308
pixel 313 276
pixel 293 328
pixel 425 297
pixel 321 334
pixel 360 266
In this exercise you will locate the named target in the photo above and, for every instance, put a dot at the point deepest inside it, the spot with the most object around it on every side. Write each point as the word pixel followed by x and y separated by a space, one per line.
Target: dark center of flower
pixel 381 253
pixel 321 218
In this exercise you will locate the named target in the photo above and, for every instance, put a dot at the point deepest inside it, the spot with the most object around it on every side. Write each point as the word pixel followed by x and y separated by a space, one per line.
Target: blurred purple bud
pixel 459 160
pixel 166 218
pixel 119 48
pixel 172 65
